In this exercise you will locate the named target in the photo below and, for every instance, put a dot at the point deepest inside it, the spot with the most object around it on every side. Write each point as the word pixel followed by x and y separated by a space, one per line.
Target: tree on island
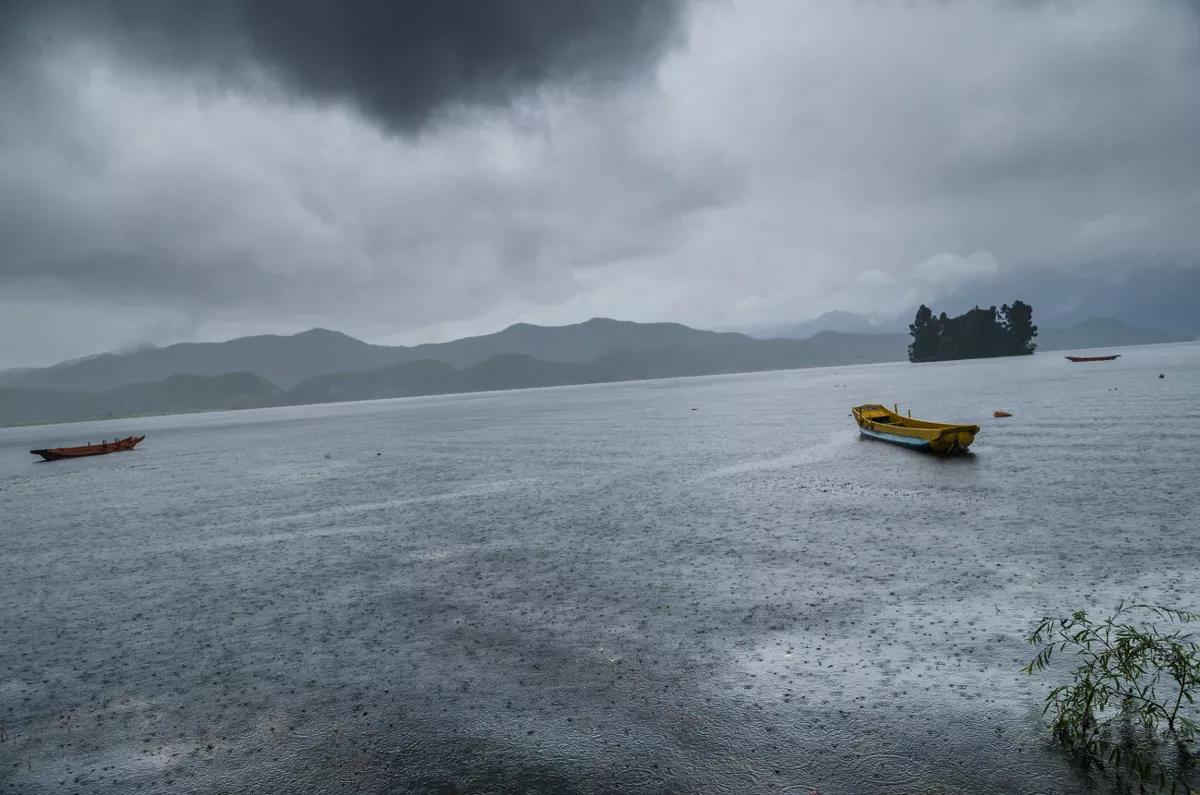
pixel 977 333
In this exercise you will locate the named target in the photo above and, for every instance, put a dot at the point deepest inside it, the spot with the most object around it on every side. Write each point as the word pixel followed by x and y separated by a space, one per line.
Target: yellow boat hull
pixel 880 422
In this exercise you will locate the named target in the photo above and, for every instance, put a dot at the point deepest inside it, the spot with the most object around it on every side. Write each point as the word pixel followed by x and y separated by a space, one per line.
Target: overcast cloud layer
pixel 442 169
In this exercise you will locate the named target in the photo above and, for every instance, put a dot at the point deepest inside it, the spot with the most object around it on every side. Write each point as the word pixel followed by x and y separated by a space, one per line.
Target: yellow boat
pixel 880 422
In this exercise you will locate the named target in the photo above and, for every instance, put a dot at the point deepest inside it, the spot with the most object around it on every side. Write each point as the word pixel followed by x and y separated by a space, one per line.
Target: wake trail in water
pixel 251 539
pixel 822 451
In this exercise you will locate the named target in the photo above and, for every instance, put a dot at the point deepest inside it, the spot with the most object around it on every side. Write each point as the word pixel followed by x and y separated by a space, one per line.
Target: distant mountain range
pixel 320 366
pixel 287 361
pixel 837 320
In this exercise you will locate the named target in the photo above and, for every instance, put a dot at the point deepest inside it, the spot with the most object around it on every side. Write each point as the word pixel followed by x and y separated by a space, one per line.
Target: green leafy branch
pixel 1137 679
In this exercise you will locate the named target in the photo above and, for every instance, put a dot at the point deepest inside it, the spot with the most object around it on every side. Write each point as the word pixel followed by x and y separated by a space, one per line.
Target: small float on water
pixel 115 446
pixel 887 425
pixel 1108 358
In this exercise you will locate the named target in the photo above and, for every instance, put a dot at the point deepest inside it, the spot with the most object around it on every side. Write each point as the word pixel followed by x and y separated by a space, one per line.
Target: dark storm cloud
pixel 398 61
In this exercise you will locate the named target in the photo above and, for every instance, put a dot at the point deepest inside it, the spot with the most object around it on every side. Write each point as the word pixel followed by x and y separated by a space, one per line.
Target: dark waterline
pixel 586 588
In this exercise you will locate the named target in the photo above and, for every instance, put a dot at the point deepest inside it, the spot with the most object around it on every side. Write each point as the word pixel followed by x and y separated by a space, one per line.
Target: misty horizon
pixel 833 320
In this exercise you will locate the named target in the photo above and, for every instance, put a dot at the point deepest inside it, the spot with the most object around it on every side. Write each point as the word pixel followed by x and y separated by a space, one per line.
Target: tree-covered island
pixel 975 334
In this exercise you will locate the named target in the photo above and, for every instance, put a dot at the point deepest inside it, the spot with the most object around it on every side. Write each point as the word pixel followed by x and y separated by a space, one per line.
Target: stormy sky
pixel 412 172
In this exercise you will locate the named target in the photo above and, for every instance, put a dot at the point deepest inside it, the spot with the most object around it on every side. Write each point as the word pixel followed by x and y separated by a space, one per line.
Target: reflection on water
pixel 590 588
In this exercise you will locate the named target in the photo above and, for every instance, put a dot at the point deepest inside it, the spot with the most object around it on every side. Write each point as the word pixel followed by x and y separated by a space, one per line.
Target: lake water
pixel 705 584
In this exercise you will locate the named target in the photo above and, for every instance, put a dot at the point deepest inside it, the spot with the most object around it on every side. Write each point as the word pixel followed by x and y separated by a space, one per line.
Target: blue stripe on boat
pixel 906 441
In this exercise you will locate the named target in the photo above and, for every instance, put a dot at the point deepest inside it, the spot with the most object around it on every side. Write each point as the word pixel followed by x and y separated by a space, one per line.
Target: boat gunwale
pixel 121 445
pixel 916 427
pixel 936 437
pixel 1085 359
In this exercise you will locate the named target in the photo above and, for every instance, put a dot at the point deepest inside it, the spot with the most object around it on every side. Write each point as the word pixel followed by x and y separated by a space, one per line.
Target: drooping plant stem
pixel 1127 664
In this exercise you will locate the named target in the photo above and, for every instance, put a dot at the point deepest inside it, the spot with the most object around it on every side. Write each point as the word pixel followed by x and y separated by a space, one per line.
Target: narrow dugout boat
pixel 880 422
pixel 117 445
pixel 1094 358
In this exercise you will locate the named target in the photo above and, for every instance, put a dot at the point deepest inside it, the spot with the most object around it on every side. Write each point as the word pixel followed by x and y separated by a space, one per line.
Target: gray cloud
pixel 720 164
pixel 401 62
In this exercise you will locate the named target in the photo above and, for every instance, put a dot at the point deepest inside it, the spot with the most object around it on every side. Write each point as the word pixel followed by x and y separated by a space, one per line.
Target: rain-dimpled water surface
pixel 690 585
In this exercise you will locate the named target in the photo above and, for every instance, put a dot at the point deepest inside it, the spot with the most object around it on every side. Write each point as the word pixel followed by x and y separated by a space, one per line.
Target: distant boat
pixel 117 445
pixel 880 422
pixel 1093 358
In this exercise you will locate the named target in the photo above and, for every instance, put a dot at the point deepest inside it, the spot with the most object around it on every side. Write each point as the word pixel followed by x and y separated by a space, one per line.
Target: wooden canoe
pixel 117 445
pixel 880 422
pixel 1093 358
